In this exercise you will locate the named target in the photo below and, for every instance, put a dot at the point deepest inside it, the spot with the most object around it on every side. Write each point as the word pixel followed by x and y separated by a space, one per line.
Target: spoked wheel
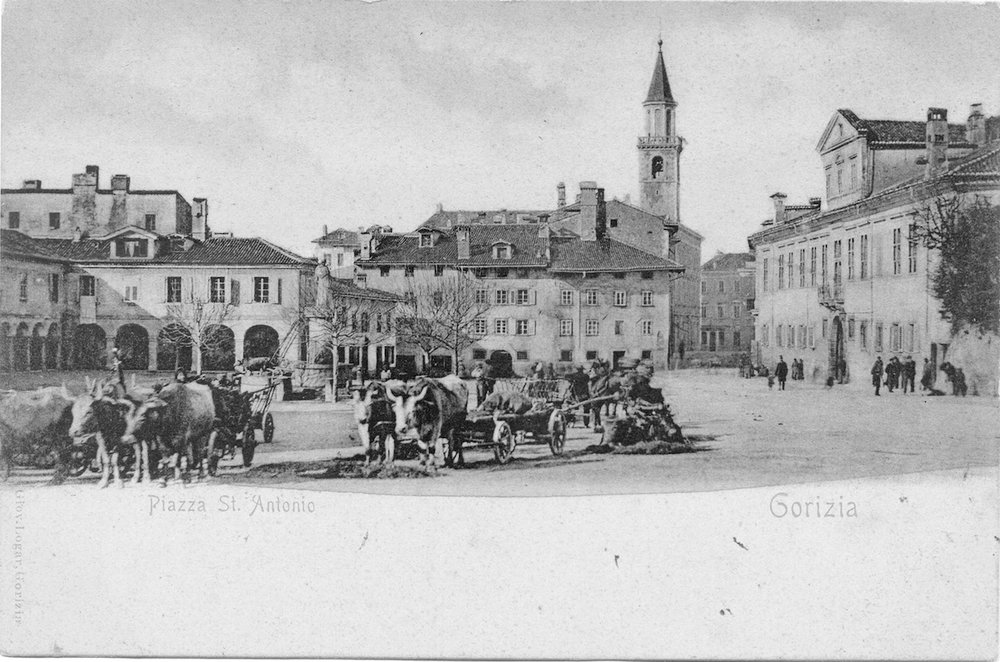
pixel 504 448
pixel 557 432
pixel 249 444
pixel 268 428
pixel 78 463
pixel 452 448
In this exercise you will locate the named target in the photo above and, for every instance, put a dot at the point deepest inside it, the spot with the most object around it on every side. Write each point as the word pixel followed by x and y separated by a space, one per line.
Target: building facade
pixel 839 287
pixel 727 305
pixel 141 271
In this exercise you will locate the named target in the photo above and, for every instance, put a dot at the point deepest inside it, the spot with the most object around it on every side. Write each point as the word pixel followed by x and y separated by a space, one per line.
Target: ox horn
pixel 423 392
pixel 391 396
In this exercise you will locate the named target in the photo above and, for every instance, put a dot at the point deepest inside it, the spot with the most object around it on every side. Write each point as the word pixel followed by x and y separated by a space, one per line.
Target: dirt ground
pixel 743 434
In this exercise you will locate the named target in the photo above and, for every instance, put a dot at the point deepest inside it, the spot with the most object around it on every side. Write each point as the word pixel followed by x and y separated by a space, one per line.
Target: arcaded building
pixel 841 285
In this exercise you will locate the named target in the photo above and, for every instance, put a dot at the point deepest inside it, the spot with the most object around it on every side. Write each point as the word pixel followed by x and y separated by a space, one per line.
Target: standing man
pixel 927 378
pixel 579 384
pixel 877 374
pixel 909 373
pixel 892 374
pixel 781 372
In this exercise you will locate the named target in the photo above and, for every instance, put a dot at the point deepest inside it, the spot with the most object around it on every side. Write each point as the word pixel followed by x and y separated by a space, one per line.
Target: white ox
pixel 428 410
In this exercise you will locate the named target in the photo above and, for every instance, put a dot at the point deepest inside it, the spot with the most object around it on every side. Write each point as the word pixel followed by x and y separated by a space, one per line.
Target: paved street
pixel 745 435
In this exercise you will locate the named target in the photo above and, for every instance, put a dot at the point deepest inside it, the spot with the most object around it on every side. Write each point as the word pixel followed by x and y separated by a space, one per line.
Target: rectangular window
pixel 765 275
pixel 850 328
pixel 812 335
pixel 438 299
pixel 522 273
pixel 911 252
pixel 522 355
pixel 812 266
pixel 55 220
pixel 621 298
pixel 593 327
pixel 850 259
pixel 647 275
pixel 54 288
pixel 764 338
pixel 22 288
pixel 802 267
pixel 383 271
pixel 590 297
pixel 878 337
pixel 646 327
pixel 87 286
pixel 502 297
pixel 131 293
pixel 646 354
pixel 863 334
pixel 736 286
pixel 503 272
pixel 592 275
pixel 704 311
pixel 722 287
pixel 521 327
pixel 791 336
pixel 704 287
pixel 478 354
pixel 646 298
pixel 619 275
pixel 613 222
pixel 566 297
pixel 823 260
pixel 565 328
pixel 911 337
pixel 426 239
pixel 500 327
pixel 14 220
pixel 438 270
pixel 151 222
pixel 619 327
pixel 781 272
pixel 823 327
pixel 173 289
pixel 894 339
pixel 261 289
pixel 340 259
pixel 897 252
pixel 863 259
pixel 482 297
pixel 566 355
pixel 736 310
pixel 217 289
pixel 791 270
pixel 479 272
pixel 777 335
pixel 840 180
pixel 591 355
pixel 408 271
pixel 721 339
pixel 479 326
pixel 720 311
pixel 522 298
pixel 854 176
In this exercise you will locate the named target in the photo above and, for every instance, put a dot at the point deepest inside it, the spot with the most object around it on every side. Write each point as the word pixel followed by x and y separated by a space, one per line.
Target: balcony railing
pixel 657 141
pixel 831 295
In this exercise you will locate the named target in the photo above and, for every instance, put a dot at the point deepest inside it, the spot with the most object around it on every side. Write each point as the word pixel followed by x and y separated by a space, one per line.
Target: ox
pixel 375 418
pixel 33 421
pixel 429 409
pixel 183 416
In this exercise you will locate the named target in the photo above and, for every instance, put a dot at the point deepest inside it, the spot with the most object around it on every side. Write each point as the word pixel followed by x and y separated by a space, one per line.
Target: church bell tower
pixel 660 148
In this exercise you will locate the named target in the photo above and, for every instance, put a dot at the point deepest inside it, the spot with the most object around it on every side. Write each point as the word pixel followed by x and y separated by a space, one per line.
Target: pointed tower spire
pixel 659 87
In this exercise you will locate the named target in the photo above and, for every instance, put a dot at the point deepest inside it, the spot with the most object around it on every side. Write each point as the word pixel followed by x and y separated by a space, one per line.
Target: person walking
pixel 877 371
pixel 781 372
pixel 579 386
pixel 891 374
pixel 927 378
pixel 909 373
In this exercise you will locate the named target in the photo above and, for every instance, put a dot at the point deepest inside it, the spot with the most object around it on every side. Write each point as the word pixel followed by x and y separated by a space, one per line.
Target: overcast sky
pixel 289 115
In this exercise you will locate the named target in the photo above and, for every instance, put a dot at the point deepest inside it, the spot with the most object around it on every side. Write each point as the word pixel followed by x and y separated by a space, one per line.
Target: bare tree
pixel 966 235
pixel 440 313
pixel 199 324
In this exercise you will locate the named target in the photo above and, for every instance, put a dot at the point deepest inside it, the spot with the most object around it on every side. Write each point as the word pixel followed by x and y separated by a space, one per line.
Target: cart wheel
pixel 268 428
pixel 504 447
pixel 452 448
pixel 557 432
pixel 249 444
pixel 78 463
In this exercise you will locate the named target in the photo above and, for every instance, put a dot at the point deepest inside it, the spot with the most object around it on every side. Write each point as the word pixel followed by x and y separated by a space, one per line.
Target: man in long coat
pixel 781 372
pixel 877 374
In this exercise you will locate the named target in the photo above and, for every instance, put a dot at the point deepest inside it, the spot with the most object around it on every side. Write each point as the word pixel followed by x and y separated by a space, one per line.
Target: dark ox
pixel 183 416
pixel 429 409
pixel 36 420
pixel 376 420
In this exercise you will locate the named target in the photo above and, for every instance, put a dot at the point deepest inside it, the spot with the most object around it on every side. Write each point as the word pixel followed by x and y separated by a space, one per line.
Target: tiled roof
pixel 659 87
pixel 444 220
pixel 16 243
pixel 346 287
pixel 406 249
pixel 900 132
pixel 984 163
pixel 99 191
pixel 217 250
pixel 576 255
pixel 339 237
pixel 728 262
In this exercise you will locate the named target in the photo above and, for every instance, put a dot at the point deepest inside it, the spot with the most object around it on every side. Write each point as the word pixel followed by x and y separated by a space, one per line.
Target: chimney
pixel 366 239
pixel 937 141
pixel 77 235
pixel 84 210
pixel 627 199
pixel 591 211
pixel 815 202
pixel 199 219
pixel 780 216
pixel 545 234
pixel 975 127
pixel 462 242
pixel 120 183
pixel 325 230
pixel 560 195
pixel 440 207
pixel 36 184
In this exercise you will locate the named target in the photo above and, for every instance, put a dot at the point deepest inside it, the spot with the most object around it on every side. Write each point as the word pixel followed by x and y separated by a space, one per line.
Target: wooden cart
pixel 504 432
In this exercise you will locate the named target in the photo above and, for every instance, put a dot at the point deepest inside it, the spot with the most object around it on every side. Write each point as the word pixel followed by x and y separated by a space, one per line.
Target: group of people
pixel 895 372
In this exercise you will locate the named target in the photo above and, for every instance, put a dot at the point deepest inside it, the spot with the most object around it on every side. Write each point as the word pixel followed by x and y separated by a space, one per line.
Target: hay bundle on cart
pixel 646 418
